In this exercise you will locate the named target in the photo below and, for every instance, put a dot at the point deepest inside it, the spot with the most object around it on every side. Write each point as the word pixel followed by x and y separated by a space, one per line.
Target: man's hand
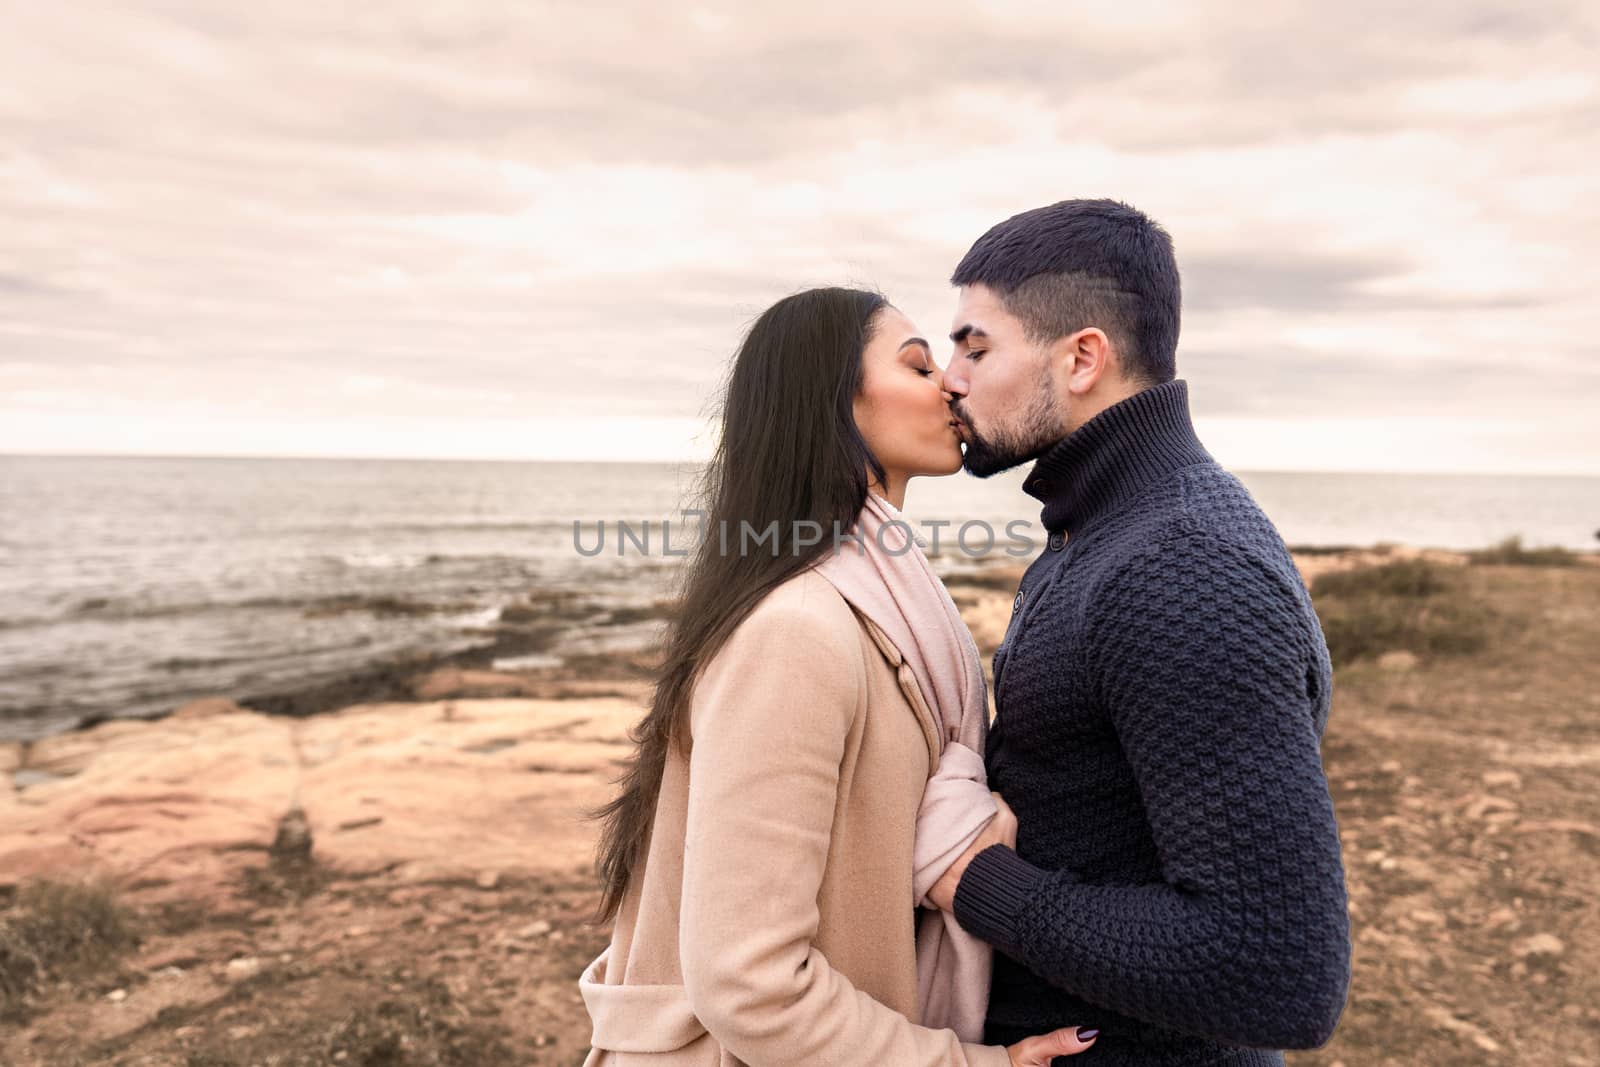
pixel 1001 830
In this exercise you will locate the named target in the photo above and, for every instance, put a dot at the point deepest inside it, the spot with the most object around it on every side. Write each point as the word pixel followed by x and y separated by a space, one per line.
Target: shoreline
pixel 541 625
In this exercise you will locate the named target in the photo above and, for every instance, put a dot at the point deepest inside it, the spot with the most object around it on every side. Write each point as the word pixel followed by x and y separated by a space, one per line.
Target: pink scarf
pixel 890 581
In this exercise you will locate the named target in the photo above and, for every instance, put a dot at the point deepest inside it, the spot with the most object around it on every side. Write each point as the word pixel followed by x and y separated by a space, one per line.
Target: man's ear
pixel 1091 356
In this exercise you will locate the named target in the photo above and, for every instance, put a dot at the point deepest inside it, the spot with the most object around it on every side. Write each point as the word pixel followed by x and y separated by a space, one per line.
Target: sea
pixel 129 585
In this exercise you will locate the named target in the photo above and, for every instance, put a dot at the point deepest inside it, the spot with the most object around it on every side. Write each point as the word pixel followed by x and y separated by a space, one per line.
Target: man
pixel 1162 687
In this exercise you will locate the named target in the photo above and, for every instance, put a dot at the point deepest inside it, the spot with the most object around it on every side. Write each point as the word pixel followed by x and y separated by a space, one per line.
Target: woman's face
pixel 902 409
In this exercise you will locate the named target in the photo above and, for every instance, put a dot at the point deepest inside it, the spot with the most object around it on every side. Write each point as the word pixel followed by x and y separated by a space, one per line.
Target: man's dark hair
pixel 1081 263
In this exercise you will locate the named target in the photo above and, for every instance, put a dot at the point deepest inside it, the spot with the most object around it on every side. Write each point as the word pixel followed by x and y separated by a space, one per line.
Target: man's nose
pixel 955 380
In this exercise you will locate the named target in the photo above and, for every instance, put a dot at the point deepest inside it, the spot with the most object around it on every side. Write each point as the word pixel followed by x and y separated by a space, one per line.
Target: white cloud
pixel 294 215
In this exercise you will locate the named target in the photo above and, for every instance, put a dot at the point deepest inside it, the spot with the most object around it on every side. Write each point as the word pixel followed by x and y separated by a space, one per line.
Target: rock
pixel 10 756
pixel 1423 875
pixel 1538 946
pixel 183 806
pixel 1575 826
pixel 1398 661
pixel 452 814
pixel 1427 916
pixel 241 969
pixel 206 707
pixel 117 996
pixel 1408 951
pixel 1502 779
pixel 1482 806
pixel 1443 1019
pixel 455 682
pixel 292 843
pixel 487 879
pixel 537 928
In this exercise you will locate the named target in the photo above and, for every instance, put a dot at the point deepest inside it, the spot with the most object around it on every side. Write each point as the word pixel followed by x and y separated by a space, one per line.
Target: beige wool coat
pixel 772 921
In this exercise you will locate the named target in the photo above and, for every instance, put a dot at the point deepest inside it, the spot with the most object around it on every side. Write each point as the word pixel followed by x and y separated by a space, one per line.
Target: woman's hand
pixel 1005 823
pixel 1000 830
pixel 1039 1051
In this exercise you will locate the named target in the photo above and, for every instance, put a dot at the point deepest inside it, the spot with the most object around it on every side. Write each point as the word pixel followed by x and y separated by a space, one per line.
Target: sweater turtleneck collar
pixel 1108 459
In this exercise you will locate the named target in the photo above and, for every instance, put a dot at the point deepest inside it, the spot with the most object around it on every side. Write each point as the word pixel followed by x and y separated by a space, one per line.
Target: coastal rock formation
pixel 178 809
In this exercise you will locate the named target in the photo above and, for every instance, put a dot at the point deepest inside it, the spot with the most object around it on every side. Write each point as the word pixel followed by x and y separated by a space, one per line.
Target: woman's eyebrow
pixel 908 342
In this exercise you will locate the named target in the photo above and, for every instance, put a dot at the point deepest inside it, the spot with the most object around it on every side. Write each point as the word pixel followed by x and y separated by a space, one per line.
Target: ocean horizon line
pixel 680 463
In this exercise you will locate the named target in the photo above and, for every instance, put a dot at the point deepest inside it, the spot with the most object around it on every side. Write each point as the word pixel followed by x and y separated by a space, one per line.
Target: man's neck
pixel 1104 395
pixel 1110 458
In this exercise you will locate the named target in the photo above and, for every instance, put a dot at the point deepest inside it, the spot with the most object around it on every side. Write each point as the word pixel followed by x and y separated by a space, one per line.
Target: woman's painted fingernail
pixel 1087 1035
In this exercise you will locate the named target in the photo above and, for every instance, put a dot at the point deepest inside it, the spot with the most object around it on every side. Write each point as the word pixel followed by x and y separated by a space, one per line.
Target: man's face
pixel 1003 385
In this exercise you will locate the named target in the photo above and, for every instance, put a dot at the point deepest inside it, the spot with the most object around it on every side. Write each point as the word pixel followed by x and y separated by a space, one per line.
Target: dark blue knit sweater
pixel 1161 693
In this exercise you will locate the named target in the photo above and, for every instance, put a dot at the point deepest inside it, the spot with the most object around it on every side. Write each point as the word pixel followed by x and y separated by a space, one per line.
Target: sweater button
pixel 1058 541
pixel 1016 605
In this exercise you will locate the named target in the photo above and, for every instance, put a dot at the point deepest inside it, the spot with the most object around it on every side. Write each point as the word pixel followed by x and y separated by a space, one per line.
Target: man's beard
pixel 1040 426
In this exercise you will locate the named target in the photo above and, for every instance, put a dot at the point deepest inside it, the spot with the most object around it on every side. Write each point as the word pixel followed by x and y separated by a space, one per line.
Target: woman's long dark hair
pixel 789 452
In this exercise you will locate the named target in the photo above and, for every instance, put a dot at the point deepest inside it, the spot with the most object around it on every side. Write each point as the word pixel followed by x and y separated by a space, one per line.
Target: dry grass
pixel 393 1033
pixel 1408 605
pixel 52 928
pixel 1511 552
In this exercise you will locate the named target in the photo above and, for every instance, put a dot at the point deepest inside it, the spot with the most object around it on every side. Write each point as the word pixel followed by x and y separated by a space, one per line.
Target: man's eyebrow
pixel 967 331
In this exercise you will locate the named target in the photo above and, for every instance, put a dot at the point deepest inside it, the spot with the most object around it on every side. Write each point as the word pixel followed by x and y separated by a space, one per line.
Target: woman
pixel 805 770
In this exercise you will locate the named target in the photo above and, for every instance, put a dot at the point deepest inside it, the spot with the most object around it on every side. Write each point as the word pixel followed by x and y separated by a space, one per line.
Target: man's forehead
pixel 977 313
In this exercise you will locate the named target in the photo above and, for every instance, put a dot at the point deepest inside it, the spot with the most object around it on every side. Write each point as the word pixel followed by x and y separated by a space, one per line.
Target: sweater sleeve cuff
pixel 991 893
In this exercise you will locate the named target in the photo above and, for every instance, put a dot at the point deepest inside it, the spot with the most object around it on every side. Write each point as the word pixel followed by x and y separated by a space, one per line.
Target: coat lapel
pixel 909 687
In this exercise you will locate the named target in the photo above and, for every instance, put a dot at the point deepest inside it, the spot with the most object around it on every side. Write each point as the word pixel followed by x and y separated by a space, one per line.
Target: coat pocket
pixel 637 1018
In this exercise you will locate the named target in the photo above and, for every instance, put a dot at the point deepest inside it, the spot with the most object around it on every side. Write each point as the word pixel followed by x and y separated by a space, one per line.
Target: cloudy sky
pixel 529 229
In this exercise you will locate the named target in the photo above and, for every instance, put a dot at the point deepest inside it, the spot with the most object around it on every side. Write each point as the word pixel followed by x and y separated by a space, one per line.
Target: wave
pixel 113 609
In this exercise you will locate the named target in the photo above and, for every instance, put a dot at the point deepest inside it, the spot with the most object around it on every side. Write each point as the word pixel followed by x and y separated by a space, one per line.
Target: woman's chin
pixel 947 465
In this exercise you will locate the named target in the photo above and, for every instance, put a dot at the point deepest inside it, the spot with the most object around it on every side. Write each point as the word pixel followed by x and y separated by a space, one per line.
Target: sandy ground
pixel 440 917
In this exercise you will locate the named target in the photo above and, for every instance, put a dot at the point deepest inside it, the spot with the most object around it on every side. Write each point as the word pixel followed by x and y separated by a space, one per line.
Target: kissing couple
pixel 822 852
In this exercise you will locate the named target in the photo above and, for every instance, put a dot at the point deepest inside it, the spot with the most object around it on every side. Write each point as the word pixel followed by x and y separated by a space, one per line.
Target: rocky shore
pixel 408 880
